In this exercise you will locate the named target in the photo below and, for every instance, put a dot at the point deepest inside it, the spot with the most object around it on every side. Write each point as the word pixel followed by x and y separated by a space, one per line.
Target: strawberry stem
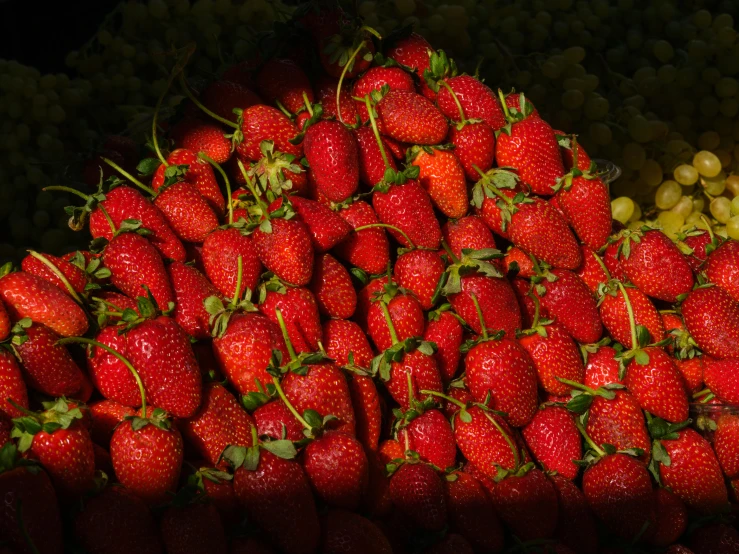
pixel 537 309
pixel 445 397
pixel 389 321
pixel 130 177
pixel 514 450
pixel 218 167
pixel 68 189
pixel 579 386
pixel 283 109
pixel 285 336
pixel 386 226
pixel 702 393
pixel 504 105
pixel 290 407
pixel 199 104
pixel 349 63
pixel 371 31
pixel 239 276
pixel 587 438
pixel 307 104
pixel 411 396
pixel 630 311
pixel 253 190
pixel 473 296
pixel 108 218
pixel 492 187
pixel 120 357
pixel 449 251
pixel 154 122
pixel 454 97
pixel 55 270
pixel 376 132
pixel 602 265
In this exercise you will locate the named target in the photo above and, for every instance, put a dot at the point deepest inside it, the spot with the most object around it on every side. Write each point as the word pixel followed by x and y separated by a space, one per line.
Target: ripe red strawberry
pixel 484 441
pixel 26 295
pixel 371 162
pixel 691 370
pixel 12 385
pixel 424 376
pixel 282 80
pixel 191 288
pixel 277 497
pixel 221 97
pixel 722 267
pixel 590 271
pixel 726 444
pixel 342 337
pixel 332 287
pixel 478 101
pixel 602 368
pixel 73 274
pixel 522 289
pixel 406 315
pixel 109 375
pixel 195 528
pixel 497 302
pixel 620 422
pixel 503 369
pixel 554 440
pixel 471 512
pixel 300 313
pixel 5 325
pixel 48 367
pixel 469 232
pixel 414 51
pixel 331 151
pixel 106 415
pixel 147 460
pixel 694 474
pixel 186 211
pixel 644 257
pixel 337 469
pixel 431 436
pixel 524 266
pixel 259 123
pixel 442 176
pixel 196 135
pixel 555 356
pixel 619 491
pixel 286 249
pixel 325 88
pixel 323 389
pixel 707 309
pixel 694 245
pixel 587 207
pixel 409 117
pixel 395 78
pixel 219 422
pixel 417 493
pixel 474 145
pixel 117 522
pixel 199 173
pixel 576 527
pixel 672 519
pixel 271 418
pixel 657 386
pixel 221 250
pixel 40 521
pixel 327 229
pixel 367 249
pixel 346 532
pixel 419 224
pixel 527 504
pixel 367 410
pixel 419 272
pixel 445 330
pixel 615 317
pixel 245 349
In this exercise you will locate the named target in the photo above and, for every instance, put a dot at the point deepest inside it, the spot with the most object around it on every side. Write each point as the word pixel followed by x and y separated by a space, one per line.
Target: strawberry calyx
pixel 221 313
pixel 92 270
pixel 382 364
pixel 416 408
pixel 441 67
pixel 248 456
pixel 313 423
pixel 146 308
pixel 298 363
pixel 583 396
pixel 661 430
pixel 490 185
pixel 413 152
pixel 158 417
pixel 193 491
pixel 565 182
pixel 316 114
pixel 57 415
pixel 17 335
pixel 10 458
pixel 513 115
pixel 78 214
pixel 472 261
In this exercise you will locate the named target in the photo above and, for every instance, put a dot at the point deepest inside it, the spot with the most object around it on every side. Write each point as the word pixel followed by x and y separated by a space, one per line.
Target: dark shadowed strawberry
pixel 447 333
pixel 417 493
pixel 282 80
pixel 195 528
pixel 414 51
pixel 715 539
pixel 576 527
pixel 191 288
pixel 349 533
pixel 106 415
pixel 725 444
pixel 672 519
pixel 372 163
pixel 325 88
pixel 221 97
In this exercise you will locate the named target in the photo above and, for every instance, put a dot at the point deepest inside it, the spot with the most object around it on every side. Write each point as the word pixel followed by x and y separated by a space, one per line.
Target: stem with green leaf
pixel 389 321
pixel 386 226
pixel 449 251
pixel 200 105
pixel 253 190
pixel 492 187
pixel 56 271
pixel 446 397
pixel 376 132
pixel 218 167
pixel 349 63
pixel 478 309
pixel 632 320
pixel 130 177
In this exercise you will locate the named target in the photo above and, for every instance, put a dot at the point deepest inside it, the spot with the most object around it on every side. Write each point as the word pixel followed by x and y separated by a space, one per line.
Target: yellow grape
pixel 668 195
pixel 716 185
pixel 671 222
pixel 686 174
pixel 684 207
pixel 732 228
pixel 732 184
pixel 707 163
pixel 721 209
pixel 622 209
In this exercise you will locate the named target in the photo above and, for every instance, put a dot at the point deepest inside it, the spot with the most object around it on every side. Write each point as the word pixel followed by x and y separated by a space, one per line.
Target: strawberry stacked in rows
pixel 371 306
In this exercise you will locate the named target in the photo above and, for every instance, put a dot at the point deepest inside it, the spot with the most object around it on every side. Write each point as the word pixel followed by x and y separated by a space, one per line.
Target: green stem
pixel 199 104
pixel 307 104
pixel 56 271
pixel 537 309
pixel 70 190
pixel 449 251
pixel 218 167
pixel 154 122
pixel 376 132
pixel 579 386
pixel 389 321
pixel 511 445
pixel 253 190
pixel 130 177
pixel 108 218
pixel 239 276
pixel 445 397
pixel 285 336
pixel 704 392
pixel 473 296
pixel 120 357
pixel 371 31
pixel 587 438
pixel 602 265
pixel 454 97
pixel 290 407
pixel 411 397
pixel 283 109
pixel 341 79
pixel 632 320
pixel 504 105
pixel 492 187
pixel 386 226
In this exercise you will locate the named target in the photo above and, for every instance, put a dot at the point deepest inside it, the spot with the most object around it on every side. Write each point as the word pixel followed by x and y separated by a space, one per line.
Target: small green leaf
pixel 313 418
pixel 284 449
pixel 148 166
pixel 641 357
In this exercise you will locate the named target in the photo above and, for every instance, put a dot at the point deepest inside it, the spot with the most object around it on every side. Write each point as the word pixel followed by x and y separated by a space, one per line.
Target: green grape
pixel 732 184
pixel 729 107
pixel 699 203
pixel 634 156
pixel 686 174
pixel 663 51
pixel 636 216
pixel 622 209
pixel 735 206
pixel 671 223
pixel 715 185
pixel 726 87
pixel 667 74
pixel 668 195
pixel 639 129
pixel 684 207
pixel 651 173
pixel 732 228
pixel 720 208
pixel 695 218
pixel 707 163
pixel 600 133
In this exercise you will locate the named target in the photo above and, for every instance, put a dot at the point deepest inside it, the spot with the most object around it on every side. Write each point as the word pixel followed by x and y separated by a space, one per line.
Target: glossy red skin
pixel 325 88
pixel 260 122
pixel 615 316
pixel 300 312
pixel 284 81
pixel 523 268
pixel 367 249
pixel 191 288
pixel 691 370
pixel 483 444
pixel 221 250
pixel 424 376
pixel 341 337
pixel 287 251
pixel 521 288
pixel 442 176
pixel 109 375
pixel 658 386
pixel 611 259
pixel 491 213
pixel 469 232
pixel 722 267
pixel 414 51
pixel 409 117
pixel 672 519
pixel 408 207
pixel 12 385
pixel 556 356
pixel 619 422
pixel 374 79
pixel 326 227
pixel 197 135
pixel 106 415
pixel 187 212
pixel 419 271
pixel 576 527
pixel 504 370
pixel 478 101
pixel 431 435
pixel 694 474
pixel 447 333
pixel 199 173
pixel 497 301
pixel 331 151
pixel 244 351
pixel 193 529
pixel 349 533
pixel 590 271
pixel 332 288
pixel 587 207
pixel 418 495
pixel 474 146
pixel 74 275
pixel 602 368
pixel 527 504
pixel 726 445
pixel 712 317
pixel 406 314
pixel 697 244
pixel 5 325
pixel 554 440
pixel 272 416
pixel 337 469
pixel 371 163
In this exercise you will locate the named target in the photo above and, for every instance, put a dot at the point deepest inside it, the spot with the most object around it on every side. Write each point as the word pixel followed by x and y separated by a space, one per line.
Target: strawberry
pixel 469 232
pixel 424 375
pixel 331 151
pixel 327 229
pixel 374 79
pixel 368 248
pixel 611 259
pixel 222 97
pixel 417 493
pixel 277 497
pixel 431 436
pixel 116 522
pixel 471 513
pixel 326 88
pixel 277 172
pixel 271 418
pixel 367 410
pixel 337 469
pixel 282 80
pixel 478 101
pixel 259 123
pixel 590 271
pixel 691 370
pixel 5 325
pixel 109 374
pixel 644 257
pixel 342 338
pixel 147 455
pixel 706 310
pixel 409 117
pixel 76 277
pixel 519 263
pixel 12 385
pixel 186 211
pixel 618 421
pixel 346 533
pixel 619 492
pixel 414 51
pixel 371 161
pixel 106 415
pixel 722 267
pixel 197 136
pixel 197 172
pixel 219 422
pixel 191 288
pixel 497 302
pixel 576 527
pixel 30 513
pixel 442 176
pixel 695 244
pixel 419 271
pixel 332 287
pixel 725 442
pixel 26 295
pixel 249 545
pixel 657 386
pixel 446 332
pixel 715 539
pixel 615 317
pixel 602 368
pixel 221 251
pixel 474 146
pixel 403 311
pixel 555 356
pixel 672 519
pixel 419 225
pixel 300 312
pixel 484 439
pixel 586 204
pixel 691 471
pixel 554 440
pixel 503 370
pixel 195 528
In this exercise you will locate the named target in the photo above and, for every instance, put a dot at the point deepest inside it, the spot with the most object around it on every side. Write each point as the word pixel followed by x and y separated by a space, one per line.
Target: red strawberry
pixel 672 519
pixel 110 376
pixel 694 247
pixel 618 421
pixel 414 51
pixel 527 306
pixel 349 533
pixel 417 493
pixel 219 422
pixel 198 173
pixel 26 295
pixel 73 274
pixel 590 271
pixel 147 460
pixel 431 436
pixel 12 386
pixel 524 266
pixel 615 317
pixel 555 356
pixel 694 474
pixel 497 302
pixel 221 250
pixel 186 211
pixel 5 325
pixel 283 81
pixel 221 97
pixel 445 330
pixel 419 271
pixel 325 88
pixel 611 259
pixel 409 117
pixel 191 288
pixel 337 469
pixel 442 176
pixel 300 313
pixel 259 123
pixel 371 161
pixel 197 136
pixel 285 248
pixel 722 267
pixel 424 376
pixel 272 417
pixel 406 315
pixel 367 249
pixel 503 370
pixel 554 440
pixel 419 225
pixel 341 337
pixel 367 410
pixel 106 415
pixel 469 232
pixel 587 207
pixel 331 151
pixel 332 287
pixel 193 529
pixel 474 145
pixel 484 440
pixel 117 522
pixel 327 229
pixel 726 443
pixel 657 386
pixel 478 101
pixel 576 527
pixel 712 318
pixel 602 368
pixel 395 78
pixel 691 370
pixel 715 539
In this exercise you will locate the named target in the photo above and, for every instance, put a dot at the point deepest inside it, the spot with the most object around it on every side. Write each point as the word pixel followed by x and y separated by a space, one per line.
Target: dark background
pixel 40 33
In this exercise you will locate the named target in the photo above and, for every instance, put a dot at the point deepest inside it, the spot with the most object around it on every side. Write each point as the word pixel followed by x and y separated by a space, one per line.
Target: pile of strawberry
pixel 410 327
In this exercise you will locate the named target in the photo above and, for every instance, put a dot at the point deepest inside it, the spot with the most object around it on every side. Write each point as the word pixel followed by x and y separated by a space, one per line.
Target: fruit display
pixel 344 296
